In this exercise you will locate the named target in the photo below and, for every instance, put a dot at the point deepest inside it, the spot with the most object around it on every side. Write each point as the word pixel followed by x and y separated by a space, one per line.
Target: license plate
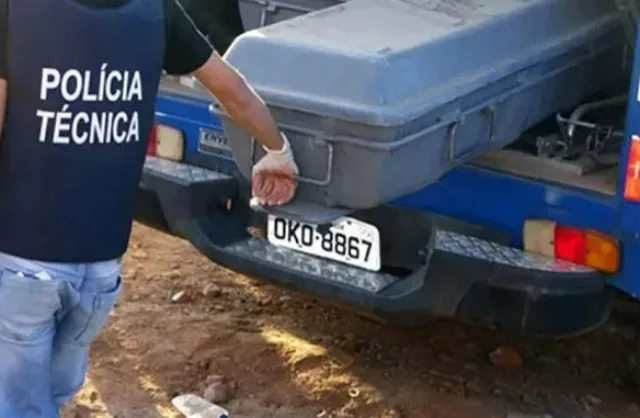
pixel 214 142
pixel 348 240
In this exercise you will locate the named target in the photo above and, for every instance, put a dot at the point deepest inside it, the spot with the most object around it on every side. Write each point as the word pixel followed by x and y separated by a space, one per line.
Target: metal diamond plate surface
pixel 485 250
pixel 373 282
pixel 186 173
pixel 320 268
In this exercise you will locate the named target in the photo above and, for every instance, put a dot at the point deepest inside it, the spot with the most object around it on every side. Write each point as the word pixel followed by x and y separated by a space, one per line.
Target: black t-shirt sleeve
pixel 4 35
pixel 186 48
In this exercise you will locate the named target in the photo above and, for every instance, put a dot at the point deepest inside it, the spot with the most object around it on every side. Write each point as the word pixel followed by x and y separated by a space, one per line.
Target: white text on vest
pixel 65 126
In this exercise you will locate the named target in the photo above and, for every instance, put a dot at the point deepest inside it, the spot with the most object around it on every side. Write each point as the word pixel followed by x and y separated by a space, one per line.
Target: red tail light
pixel 581 246
pixel 152 147
pixel 570 244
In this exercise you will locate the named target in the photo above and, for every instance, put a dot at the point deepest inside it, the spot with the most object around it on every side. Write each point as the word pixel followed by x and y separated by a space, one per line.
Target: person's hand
pixel 273 182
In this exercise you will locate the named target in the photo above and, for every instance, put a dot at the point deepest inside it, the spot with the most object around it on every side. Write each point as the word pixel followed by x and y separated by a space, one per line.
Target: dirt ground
pixel 184 323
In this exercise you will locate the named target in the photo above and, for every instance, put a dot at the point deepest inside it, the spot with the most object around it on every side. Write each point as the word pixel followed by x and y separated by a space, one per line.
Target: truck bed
pixel 529 166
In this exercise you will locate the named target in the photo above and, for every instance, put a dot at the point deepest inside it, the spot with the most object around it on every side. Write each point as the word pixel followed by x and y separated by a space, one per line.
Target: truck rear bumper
pixel 464 277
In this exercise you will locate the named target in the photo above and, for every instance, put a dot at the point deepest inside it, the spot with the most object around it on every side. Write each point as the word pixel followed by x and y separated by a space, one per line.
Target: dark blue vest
pixel 82 86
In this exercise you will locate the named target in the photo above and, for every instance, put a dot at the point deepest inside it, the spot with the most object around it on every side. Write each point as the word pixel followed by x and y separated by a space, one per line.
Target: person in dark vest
pixel 78 82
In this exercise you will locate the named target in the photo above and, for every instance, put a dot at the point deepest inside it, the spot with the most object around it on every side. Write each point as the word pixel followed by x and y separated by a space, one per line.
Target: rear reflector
pixel 581 246
pixel 632 176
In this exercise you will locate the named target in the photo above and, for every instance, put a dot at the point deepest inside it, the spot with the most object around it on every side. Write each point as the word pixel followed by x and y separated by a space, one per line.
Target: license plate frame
pixel 348 240
pixel 213 142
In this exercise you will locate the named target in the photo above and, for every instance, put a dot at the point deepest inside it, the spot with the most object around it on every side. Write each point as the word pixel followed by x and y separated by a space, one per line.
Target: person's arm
pixel 239 100
pixel 188 52
pixel 4 24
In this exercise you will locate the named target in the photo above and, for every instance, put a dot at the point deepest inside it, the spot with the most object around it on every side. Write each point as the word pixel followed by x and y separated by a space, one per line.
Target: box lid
pixel 386 62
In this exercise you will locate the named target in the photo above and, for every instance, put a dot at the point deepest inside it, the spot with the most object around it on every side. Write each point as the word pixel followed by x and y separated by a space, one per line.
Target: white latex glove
pixel 273 183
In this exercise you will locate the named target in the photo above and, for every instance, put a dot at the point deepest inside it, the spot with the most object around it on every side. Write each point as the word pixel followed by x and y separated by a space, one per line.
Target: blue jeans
pixel 50 313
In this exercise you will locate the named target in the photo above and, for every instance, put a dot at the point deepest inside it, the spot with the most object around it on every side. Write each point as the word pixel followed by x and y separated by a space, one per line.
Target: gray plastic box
pixel 382 97
pixel 260 13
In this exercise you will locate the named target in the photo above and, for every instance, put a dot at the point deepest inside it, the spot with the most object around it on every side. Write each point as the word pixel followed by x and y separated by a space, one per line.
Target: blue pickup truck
pixel 463 159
